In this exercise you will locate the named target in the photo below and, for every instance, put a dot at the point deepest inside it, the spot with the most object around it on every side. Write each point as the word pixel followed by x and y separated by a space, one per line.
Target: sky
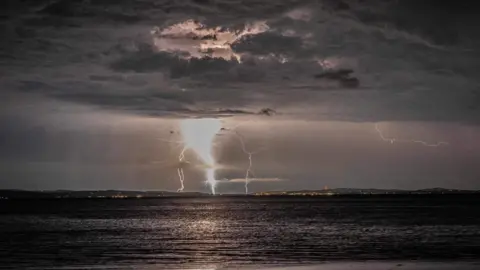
pixel 93 93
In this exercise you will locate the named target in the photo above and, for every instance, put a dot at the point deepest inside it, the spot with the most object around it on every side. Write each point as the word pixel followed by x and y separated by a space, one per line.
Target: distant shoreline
pixel 121 194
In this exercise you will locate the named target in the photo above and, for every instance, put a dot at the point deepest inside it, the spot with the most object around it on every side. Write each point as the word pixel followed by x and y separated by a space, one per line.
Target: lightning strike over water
pixel 393 140
pixel 181 175
pixel 198 135
pixel 210 173
pixel 250 163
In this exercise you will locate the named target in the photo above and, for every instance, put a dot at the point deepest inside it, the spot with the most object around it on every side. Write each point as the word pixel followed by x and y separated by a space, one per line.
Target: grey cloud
pixel 342 76
pixel 409 18
pixel 30 86
pixel 105 78
pixel 269 43
pixel 233 111
pixel 267 112
pixel 114 101
pixel 206 69
pixel 144 62
pixel 263 111
pixel 198 66
pixel 170 63
pixel 223 113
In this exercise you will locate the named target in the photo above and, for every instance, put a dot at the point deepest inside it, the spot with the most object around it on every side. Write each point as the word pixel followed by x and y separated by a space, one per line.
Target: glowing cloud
pixel 200 41
pixel 198 135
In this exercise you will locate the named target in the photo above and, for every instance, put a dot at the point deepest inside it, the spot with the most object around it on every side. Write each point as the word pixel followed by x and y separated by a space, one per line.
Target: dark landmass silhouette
pixel 123 194
pixel 369 191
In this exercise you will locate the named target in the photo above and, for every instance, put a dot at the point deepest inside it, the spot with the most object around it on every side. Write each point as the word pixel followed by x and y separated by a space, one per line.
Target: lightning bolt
pixel 250 162
pixel 249 171
pixel 249 154
pixel 393 140
pixel 181 162
pixel 181 175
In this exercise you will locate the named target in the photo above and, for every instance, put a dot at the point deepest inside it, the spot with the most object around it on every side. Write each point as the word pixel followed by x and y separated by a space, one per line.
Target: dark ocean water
pixel 237 231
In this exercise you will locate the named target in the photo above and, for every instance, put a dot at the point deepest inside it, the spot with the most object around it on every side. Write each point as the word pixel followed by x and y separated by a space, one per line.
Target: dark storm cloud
pixel 268 43
pixel 342 76
pixel 254 53
pixel 172 64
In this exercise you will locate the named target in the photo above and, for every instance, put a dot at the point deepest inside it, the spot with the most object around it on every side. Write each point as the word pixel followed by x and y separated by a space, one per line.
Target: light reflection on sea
pixel 226 232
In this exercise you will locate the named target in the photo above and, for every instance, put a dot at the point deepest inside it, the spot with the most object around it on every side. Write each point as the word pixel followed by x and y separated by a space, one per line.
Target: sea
pixel 242 232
